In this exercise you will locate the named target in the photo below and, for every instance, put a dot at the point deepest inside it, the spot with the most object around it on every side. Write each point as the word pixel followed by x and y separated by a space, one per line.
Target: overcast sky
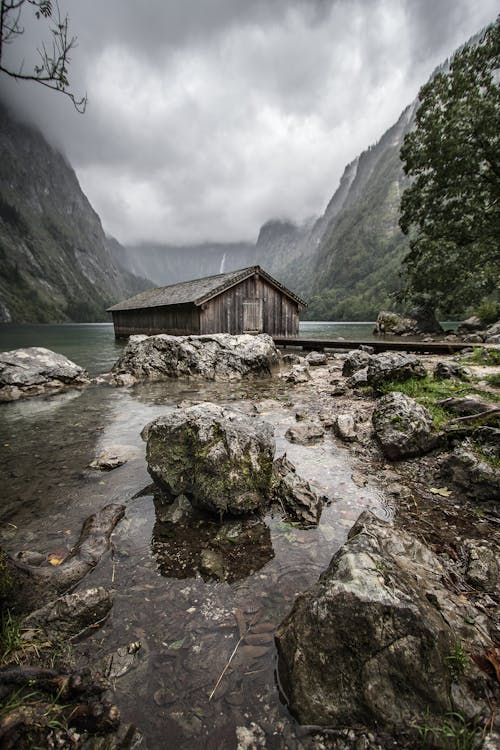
pixel 205 118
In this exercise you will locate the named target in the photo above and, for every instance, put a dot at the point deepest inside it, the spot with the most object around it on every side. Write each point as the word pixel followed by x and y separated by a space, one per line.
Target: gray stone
pixel 472 474
pixel 395 366
pixel 305 433
pixel 298 374
pixel 36 371
pixel 295 494
pixel 107 461
pixel 217 356
pixel 450 371
pixel 30 557
pixel 355 360
pixel 370 643
pixel 394 324
pixel 493 330
pixel 290 358
pixel 482 566
pixel 403 427
pixel 493 339
pixel 220 459
pixel 366 348
pixel 316 359
pixel 473 338
pixel 471 325
pixel 212 564
pixel 70 615
pixel 344 427
pixel 358 379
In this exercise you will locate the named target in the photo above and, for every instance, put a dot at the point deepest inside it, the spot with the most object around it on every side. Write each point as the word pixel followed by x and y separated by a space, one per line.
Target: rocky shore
pixel 397 643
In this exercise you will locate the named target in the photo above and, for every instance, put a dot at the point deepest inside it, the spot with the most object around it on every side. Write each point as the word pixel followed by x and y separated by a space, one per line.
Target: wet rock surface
pixel 217 356
pixel 221 460
pixel 70 615
pixel 296 496
pixel 36 371
pixel 403 427
pixel 371 642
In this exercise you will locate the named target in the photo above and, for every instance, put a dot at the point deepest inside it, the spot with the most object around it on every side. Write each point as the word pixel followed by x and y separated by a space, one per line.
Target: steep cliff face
pixel 359 246
pixel 55 264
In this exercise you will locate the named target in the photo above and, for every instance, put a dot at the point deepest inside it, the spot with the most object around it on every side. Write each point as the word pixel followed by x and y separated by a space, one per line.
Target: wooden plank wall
pixel 177 320
pixel 224 314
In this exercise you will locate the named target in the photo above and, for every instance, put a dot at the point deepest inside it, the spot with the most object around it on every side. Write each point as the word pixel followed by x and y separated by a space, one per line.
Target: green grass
pixel 10 636
pixel 482 356
pixel 493 379
pixel 455 733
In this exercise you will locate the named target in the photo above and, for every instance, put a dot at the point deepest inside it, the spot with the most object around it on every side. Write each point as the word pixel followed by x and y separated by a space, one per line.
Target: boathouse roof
pixel 198 291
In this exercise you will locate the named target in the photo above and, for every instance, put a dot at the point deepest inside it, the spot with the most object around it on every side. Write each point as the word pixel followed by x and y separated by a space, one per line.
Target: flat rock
pixel 37 371
pixel 107 461
pixel 219 458
pixel 219 356
pixel 305 433
pixel 403 427
pixel 370 643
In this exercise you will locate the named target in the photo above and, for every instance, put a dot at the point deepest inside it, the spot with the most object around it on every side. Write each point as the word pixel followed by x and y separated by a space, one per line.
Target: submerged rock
pixel 403 427
pixel 36 371
pixel 295 494
pixel 216 356
pixel 220 459
pixel 107 461
pixel 372 642
pixel 70 615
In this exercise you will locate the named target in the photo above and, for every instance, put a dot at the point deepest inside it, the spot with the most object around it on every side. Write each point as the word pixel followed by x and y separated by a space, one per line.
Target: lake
pixel 93 345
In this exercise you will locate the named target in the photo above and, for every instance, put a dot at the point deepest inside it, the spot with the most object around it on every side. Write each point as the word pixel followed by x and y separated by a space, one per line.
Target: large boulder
pixel 403 427
pixel 221 460
pixel 216 356
pixel 356 360
pixel 35 371
pixel 394 324
pixel 374 641
pixel 394 366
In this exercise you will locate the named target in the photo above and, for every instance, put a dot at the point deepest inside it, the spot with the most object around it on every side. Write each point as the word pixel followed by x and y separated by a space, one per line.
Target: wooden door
pixel 253 316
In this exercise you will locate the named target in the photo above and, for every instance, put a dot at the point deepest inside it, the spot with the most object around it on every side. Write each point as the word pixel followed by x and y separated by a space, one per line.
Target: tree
pixel 451 209
pixel 52 69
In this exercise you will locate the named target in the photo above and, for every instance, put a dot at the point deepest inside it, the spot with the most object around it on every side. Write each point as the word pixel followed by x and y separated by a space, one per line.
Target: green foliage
pixel 488 312
pixel 451 210
pixel 10 636
pixel 457 660
pixel 483 356
pixel 454 733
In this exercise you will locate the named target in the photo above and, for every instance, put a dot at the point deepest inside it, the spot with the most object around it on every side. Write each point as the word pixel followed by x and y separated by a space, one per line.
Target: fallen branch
pixel 484 417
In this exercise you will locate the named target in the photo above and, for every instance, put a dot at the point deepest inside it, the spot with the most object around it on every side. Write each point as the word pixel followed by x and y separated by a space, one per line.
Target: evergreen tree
pixel 451 210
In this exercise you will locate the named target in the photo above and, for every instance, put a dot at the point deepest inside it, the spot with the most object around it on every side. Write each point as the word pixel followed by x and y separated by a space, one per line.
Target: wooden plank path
pixel 379 345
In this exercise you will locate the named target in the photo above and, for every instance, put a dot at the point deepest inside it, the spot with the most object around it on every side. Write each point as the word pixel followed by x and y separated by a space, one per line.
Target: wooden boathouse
pixel 245 301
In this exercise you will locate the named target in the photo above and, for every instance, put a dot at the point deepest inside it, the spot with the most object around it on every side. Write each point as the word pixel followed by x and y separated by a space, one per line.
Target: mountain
pixel 55 263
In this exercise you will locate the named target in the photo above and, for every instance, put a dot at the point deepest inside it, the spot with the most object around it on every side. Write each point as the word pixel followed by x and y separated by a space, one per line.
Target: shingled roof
pixel 197 291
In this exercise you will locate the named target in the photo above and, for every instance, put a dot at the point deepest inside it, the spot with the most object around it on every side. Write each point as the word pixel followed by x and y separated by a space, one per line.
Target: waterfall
pixel 222 263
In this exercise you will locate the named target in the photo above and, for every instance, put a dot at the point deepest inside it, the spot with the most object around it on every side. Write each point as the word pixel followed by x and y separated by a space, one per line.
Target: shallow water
pixel 188 626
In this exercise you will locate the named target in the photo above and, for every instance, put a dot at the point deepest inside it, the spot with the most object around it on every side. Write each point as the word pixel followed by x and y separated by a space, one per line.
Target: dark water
pixel 188 626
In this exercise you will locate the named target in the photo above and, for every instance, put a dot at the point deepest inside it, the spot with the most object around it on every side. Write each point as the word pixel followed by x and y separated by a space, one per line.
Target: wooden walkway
pixel 379 345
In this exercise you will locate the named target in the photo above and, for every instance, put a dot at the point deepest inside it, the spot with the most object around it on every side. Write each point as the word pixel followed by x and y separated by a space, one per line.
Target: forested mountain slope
pixel 55 264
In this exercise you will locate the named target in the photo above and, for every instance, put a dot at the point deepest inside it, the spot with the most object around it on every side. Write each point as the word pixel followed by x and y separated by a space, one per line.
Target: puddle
pixel 166 595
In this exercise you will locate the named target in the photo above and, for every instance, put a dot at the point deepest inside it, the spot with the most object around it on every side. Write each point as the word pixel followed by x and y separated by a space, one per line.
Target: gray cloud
pixel 207 118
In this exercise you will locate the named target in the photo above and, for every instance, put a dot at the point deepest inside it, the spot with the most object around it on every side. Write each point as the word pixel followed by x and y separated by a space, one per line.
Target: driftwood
pixel 463 406
pixel 49 681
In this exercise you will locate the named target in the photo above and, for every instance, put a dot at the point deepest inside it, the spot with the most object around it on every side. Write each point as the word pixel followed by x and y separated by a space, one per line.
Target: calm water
pixel 187 625
pixel 93 345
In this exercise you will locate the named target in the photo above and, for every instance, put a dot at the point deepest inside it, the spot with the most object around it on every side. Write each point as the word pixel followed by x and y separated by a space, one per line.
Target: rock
pixel 179 511
pixel 393 324
pixel 355 360
pixel 344 427
pixel 70 615
pixel 464 406
pixel 213 357
pixel 493 339
pixel 403 427
pixel 366 348
pixel 473 338
pixel 107 461
pixel 220 459
pixel 450 370
pixel 316 359
pixel 371 642
pixel 482 566
pixel 298 374
pixel 295 494
pixel 292 359
pixel 493 330
pixel 212 564
pixel 395 366
pixel 305 433
pixel 30 557
pixel 471 325
pixel 472 474
pixel 35 371
pixel 120 662
pixel 359 379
